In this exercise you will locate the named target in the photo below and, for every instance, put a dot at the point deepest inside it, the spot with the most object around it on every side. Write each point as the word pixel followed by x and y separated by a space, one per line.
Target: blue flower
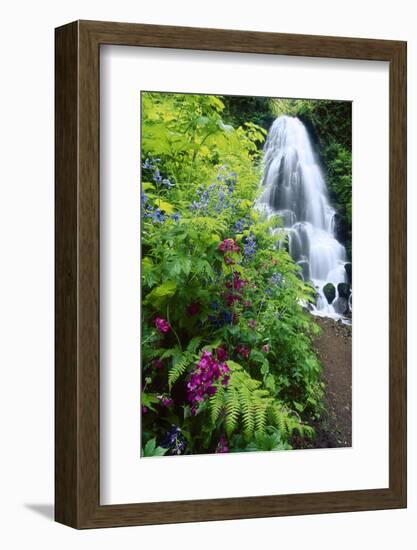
pixel 158 216
pixel 239 226
pixel 148 165
pixel 250 246
pixel 154 214
pixel 167 183
pixel 174 441
pixel 176 217
pixel 157 176
pixel 144 198
pixel 277 279
pixel 227 317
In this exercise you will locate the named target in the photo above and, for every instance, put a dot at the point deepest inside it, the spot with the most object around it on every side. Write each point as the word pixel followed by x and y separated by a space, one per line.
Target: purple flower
pixel 222 446
pixel 165 400
pixel 201 382
pixel 144 409
pixel 252 323
pixel 221 354
pixel 162 325
pixel 265 348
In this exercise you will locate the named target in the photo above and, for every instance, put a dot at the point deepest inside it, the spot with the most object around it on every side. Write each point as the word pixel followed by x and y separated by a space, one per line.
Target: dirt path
pixel 334 348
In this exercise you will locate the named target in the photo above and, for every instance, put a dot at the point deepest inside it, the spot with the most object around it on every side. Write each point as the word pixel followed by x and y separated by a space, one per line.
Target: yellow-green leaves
pixel 160 295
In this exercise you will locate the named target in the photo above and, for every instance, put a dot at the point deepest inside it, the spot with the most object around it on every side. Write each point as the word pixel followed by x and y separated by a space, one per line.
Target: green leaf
pixel 165 206
pixel 150 447
pixel 161 293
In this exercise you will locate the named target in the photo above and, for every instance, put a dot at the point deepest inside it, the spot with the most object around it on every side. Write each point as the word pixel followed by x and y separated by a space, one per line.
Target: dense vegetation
pixel 227 362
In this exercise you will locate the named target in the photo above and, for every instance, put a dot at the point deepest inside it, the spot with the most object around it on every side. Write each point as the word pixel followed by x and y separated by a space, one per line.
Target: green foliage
pixel 245 406
pixel 243 109
pixel 271 440
pixel 151 449
pixel 212 163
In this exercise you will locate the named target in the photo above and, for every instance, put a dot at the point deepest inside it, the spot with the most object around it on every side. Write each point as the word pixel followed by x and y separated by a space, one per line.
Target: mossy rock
pixel 330 292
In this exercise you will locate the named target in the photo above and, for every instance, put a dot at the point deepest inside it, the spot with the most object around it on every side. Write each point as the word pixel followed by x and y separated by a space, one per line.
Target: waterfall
pixel 295 189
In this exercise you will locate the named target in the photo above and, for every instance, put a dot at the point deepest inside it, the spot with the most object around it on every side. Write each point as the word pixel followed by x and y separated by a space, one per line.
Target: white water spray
pixel 295 189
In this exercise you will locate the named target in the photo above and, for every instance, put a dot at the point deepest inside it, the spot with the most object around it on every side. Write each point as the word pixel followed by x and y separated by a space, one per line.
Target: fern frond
pixel 193 344
pixel 179 367
pixel 247 411
pixel 216 402
pixel 232 410
pixel 260 415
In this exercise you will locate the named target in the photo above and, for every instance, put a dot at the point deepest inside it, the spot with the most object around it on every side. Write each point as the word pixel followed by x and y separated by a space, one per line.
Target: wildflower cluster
pixel 152 165
pixel 228 178
pixel 216 196
pixel 201 382
pixel 250 247
pixel 155 214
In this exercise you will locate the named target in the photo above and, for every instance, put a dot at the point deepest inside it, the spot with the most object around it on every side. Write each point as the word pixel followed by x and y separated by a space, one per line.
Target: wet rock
pixel 343 290
pixel 341 305
pixel 330 292
pixel 348 269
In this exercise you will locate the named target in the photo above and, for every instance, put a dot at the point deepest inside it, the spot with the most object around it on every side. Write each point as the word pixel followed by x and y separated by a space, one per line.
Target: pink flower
pixel 144 409
pixel 265 348
pixel 252 323
pixel 158 364
pixel 162 325
pixel 228 245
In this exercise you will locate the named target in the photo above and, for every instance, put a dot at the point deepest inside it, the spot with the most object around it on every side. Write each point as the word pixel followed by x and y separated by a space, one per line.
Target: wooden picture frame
pixel 77 383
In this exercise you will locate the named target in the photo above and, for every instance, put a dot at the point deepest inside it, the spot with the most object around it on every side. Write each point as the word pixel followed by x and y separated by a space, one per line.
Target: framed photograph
pixel 230 274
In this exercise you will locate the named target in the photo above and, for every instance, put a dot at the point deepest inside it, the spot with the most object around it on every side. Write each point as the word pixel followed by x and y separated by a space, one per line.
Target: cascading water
pixel 295 189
